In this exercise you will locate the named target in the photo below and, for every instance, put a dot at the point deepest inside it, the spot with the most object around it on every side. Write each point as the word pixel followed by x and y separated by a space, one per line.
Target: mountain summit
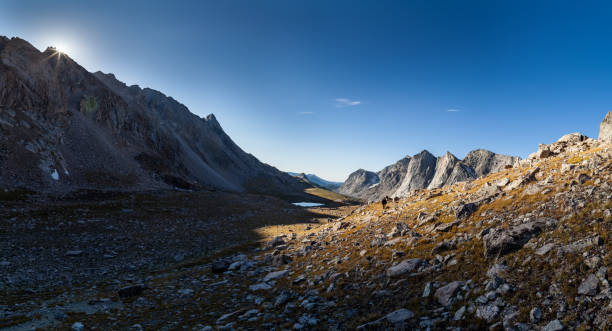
pixel 65 128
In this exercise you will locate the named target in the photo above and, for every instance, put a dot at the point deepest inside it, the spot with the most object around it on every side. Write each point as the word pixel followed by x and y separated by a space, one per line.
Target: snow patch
pixel 373 185
pixel 55 175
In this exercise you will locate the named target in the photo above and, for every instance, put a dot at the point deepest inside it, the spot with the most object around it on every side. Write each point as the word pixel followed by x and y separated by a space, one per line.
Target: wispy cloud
pixel 305 113
pixel 453 110
pixel 343 102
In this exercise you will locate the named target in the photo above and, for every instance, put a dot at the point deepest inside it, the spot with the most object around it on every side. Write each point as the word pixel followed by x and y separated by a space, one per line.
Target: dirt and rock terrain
pixel 525 248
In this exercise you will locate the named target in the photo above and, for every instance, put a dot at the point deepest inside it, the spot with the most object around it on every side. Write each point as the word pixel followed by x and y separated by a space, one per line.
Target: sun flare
pixel 62 48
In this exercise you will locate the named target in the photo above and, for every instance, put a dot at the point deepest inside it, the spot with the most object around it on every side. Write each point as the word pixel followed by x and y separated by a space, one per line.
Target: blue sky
pixel 328 87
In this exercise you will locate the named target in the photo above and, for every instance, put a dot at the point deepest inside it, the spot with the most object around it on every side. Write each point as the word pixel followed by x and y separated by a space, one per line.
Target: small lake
pixel 308 204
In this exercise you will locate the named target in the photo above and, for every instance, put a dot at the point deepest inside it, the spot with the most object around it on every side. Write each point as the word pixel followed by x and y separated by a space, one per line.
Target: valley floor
pixel 64 258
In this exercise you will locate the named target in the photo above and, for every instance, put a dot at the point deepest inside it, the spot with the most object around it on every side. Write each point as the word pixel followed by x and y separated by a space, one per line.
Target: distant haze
pixel 327 87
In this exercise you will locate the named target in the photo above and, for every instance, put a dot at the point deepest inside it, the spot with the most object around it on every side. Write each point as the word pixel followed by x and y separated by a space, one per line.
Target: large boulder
pixel 605 128
pixel 445 293
pixel 500 242
pixel 404 267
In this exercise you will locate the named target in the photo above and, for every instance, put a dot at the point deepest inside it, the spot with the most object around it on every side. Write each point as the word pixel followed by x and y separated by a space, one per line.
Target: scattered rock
pixel 404 267
pixel 589 285
pixel 499 242
pixel 275 275
pixel 131 291
pixel 535 315
pixel 553 326
pixel 399 316
pixel 78 326
pixel 445 293
pixel 220 266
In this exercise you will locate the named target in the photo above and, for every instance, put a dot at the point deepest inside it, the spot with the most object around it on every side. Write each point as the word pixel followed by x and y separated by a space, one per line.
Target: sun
pixel 62 48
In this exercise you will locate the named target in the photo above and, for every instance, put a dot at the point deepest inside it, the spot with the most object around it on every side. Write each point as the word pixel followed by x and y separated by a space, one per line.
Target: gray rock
pixel 260 286
pixel 545 249
pixel 580 245
pixel 589 285
pixel 465 210
pixel 427 290
pixel 275 275
pixel 535 315
pixel 78 326
pixel 399 316
pixel 445 293
pixel 487 312
pixel 499 242
pixel 605 128
pixel 404 267
pixel 459 313
pixel 554 325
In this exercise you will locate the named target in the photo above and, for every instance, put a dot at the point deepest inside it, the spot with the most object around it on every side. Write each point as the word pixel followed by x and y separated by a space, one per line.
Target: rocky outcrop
pixel 419 174
pixel 423 171
pixel 358 183
pixel 484 162
pixel 65 128
pixel 569 143
pixel 605 128
pixel 449 169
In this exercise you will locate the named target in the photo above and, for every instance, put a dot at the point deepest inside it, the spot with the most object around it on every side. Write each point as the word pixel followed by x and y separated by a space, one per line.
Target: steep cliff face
pixel 66 128
pixel 484 162
pixel 358 183
pixel 419 173
pixel 605 128
pixel 422 171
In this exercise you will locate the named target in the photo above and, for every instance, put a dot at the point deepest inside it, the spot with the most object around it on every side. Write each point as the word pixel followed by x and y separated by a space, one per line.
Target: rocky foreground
pixel 527 248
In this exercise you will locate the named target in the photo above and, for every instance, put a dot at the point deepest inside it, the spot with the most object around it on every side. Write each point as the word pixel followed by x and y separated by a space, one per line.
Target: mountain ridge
pixel 92 131
pixel 423 170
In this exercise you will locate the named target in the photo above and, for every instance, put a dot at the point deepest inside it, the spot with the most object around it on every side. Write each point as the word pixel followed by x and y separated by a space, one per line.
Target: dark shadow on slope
pixel 86 236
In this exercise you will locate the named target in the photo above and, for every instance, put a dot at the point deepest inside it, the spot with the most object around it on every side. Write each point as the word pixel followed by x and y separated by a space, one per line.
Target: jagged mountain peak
pixel 424 170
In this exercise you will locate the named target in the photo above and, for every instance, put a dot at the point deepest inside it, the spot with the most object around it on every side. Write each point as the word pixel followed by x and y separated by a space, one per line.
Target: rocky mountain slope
pixel 525 248
pixel 316 181
pixel 65 128
pixel 423 170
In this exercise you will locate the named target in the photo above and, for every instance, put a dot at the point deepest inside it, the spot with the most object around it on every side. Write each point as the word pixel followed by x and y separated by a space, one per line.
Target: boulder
pixel 487 312
pixel 404 267
pixel 399 316
pixel 499 242
pixel 275 275
pixel 589 285
pixel 445 293
pixel 465 210
pixel 554 325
